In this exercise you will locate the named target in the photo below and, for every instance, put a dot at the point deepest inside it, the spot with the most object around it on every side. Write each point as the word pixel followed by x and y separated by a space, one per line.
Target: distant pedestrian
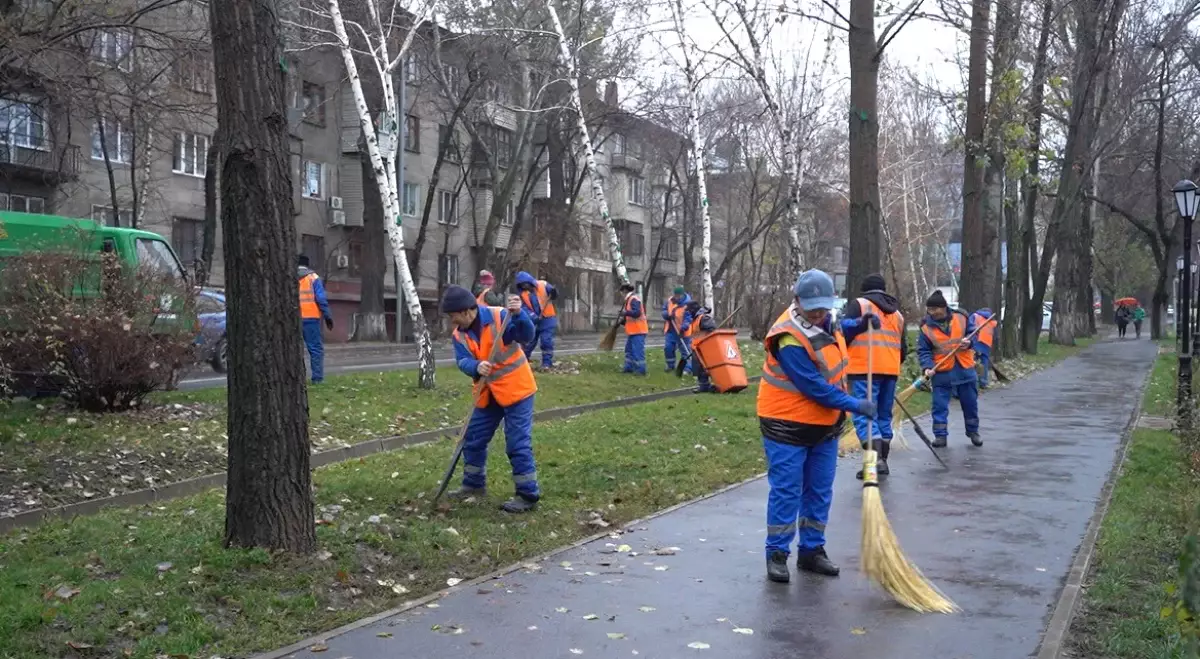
pixel 485 296
pixel 1139 314
pixel 537 296
pixel 633 319
pixel 313 308
pixel 1121 317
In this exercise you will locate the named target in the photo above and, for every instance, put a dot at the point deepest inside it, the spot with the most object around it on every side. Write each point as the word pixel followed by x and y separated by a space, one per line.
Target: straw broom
pixel 610 338
pixel 882 559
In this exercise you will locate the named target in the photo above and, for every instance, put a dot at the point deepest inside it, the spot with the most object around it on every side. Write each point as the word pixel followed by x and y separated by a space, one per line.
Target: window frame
pixel 199 163
pixel 638 184
pixel 313 109
pixel 443 196
pixel 124 151
pixel 108 218
pixel 446 262
pixel 195 241
pixel 33 117
pixel 412 133
pixel 405 198
pixel 113 37
pixel 323 182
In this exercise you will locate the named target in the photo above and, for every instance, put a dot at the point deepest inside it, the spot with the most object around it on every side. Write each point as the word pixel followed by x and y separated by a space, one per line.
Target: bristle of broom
pixel 610 339
pixel 848 442
pixel 882 559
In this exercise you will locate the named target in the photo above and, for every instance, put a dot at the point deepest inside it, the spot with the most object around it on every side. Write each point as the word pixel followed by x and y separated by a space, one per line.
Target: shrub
pixel 87 329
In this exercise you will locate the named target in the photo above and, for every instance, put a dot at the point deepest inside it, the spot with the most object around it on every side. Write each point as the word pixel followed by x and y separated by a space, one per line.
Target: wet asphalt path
pixel 997 533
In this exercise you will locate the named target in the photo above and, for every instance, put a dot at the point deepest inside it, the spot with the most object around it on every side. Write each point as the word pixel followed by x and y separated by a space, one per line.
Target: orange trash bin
pixel 718 353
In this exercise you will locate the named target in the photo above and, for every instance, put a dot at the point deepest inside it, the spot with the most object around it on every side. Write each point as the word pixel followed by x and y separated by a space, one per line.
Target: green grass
pixel 1140 538
pixel 619 464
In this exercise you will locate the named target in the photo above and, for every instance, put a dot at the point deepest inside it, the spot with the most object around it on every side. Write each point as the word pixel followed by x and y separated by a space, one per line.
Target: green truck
pixel 133 250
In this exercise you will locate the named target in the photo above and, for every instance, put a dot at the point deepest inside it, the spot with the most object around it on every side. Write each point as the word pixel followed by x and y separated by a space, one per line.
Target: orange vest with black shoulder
pixel 543 298
pixel 879 347
pixel 676 311
pixel 481 299
pixel 511 380
pixel 308 299
pixel 635 326
pixel 778 396
pixel 944 344
pixel 987 333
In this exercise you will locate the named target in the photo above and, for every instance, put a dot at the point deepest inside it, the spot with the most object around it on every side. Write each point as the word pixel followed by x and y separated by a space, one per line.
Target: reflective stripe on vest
pixel 543 298
pixel 675 312
pixel 987 333
pixel 308 299
pixel 634 326
pixel 511 381
pixel 778 396
pixel 944 344
pixel 884 342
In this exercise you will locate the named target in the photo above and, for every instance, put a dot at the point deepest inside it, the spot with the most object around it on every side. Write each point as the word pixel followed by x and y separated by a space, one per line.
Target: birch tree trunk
pixel 689 73
pixel 383 169
pixel 614 242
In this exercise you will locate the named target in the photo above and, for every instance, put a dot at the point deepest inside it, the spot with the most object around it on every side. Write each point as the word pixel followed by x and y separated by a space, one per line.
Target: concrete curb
pixel 300 646
pixel 1064 610
pixel 332 456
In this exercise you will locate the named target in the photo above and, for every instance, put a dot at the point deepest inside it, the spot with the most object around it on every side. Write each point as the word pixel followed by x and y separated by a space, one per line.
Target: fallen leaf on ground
pixel 451 530
pixel 324 555
pixel 646 609
pixel 399 590
pixel 576 651
pixel 532 628
pixel 163 567
pixel 743 630
pixel 722 619
pixel 858 631
pixel 562 609
pixel 453 581
pixel 78 645
pixel 616 636
pixel 661 568
pixel 697 645
pixel 565 564
pixel 590 616
pixel 432 605
pixel 66 592
pixel 624 548
pixel 666 551
pixel 319 647
pixel 384 634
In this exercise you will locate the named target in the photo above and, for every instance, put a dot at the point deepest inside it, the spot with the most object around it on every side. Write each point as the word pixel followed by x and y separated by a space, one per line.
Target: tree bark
pixel 1031 299
pixel 865 236
pixel 977 240
pixel 372 317
pixel 269 500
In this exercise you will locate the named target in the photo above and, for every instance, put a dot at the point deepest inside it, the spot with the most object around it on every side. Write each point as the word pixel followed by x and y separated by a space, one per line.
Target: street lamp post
pixel 1185 200
pixel 1179 320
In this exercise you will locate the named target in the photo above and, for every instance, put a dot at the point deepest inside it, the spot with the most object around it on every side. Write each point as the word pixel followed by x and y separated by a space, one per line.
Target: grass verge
pixel 1140 539
pixel 154 580
pixel 50 455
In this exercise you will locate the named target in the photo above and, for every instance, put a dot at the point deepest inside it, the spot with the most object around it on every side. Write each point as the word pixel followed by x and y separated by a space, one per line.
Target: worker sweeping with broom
pixel 633 319
pixel 507 395
pixel 802 401
pixel 879 354
pixel 942 332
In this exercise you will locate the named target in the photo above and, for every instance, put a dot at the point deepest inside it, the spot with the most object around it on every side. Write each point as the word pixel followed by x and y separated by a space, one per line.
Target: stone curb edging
pixel 199 484
pixel 300 646
pixel 1063 613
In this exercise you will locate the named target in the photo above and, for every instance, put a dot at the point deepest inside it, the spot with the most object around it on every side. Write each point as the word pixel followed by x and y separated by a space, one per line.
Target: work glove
pixel 329 323
pixel 873 319
pixel 868 408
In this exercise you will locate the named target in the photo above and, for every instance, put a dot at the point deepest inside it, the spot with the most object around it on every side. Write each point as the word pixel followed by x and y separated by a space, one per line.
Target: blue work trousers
pixel 967 394
pixel 883 392
pixel 700 372
pixel 801 481
pixel 635 354
pixel 518 443
pixel 675 342
pixel 546 328
pixel 316 347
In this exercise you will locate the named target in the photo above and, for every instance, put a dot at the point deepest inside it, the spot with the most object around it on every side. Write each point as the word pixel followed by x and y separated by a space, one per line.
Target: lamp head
pixel 1185 198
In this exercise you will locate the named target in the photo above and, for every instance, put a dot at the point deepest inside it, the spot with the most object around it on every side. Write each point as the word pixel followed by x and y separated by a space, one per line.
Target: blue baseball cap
pixel 814 290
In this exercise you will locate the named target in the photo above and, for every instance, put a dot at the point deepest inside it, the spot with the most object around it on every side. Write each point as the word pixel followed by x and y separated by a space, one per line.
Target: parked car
pixel 210 342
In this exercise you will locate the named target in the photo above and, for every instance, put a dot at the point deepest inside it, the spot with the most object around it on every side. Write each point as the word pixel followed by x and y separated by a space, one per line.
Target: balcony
pixel 628 161
pixel 44 162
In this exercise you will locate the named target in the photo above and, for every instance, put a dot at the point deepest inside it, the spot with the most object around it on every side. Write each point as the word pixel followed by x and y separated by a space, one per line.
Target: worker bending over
pixel 802 401
pixel 883 351
pixel 537 297
pixel 702 325
pixel 942 331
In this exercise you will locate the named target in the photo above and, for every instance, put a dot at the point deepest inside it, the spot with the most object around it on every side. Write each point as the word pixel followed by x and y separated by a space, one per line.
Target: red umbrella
pixel 1126 302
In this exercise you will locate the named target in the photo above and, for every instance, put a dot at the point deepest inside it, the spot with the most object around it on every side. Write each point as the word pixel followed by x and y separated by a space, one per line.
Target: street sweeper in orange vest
pixel 507 395
pixel 633 320
pixel 943 330
pixel 884 352
pixel 802 403
pixel 702 324
pixel 983 343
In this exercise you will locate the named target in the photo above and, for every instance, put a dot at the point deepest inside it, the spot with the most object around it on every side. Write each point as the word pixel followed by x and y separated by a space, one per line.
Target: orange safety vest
pixel 676 312
pixel 308 300
pixel 945 345
pixel 987 333
pixel 635 326
pixel 694 330
pixel 778 396
pixel 884 343
pixel 481 298
pixel 511 380
pixel 543 300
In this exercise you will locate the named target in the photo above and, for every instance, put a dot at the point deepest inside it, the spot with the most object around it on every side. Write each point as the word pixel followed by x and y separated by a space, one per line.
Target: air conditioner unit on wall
pixel 335 203
pixel 337 218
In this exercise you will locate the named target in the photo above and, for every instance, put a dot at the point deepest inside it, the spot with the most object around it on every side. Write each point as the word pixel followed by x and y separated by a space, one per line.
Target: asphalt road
pixel 405 357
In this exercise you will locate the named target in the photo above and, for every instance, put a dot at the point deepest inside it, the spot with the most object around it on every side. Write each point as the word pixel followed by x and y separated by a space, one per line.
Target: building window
pixel 495 92
pixel 447 269
pixel 510 215
pixel 411 71
pixel 22 203
pixel 191 153
pixel 633 238
pixel 412 193
pixel 637 190
pixel 670 248
pixel 618 142
pixel 113 136
pixel 453 152
pixel 312 103
pixel 22 124
pixel 114 48
pixel 658 291
pixel 355 252
pixel 194 71
pixel 314 179
pixel 499 143
pixel 453 77
pixel 187 237
pixel 314 248
pixel 447 208
pixel 412 134
pixel 104 215
pixel 598 243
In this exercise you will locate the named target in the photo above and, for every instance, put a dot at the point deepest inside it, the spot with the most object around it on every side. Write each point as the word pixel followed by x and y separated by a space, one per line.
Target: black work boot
pixel 884 449
pixel 939 442
pixel 817 561
pixel 777 567
pixel 465 492
pixel 519 504
pixel 975 438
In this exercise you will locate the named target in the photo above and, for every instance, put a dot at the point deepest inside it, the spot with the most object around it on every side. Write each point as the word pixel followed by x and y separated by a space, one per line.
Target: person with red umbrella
pixel 1124 314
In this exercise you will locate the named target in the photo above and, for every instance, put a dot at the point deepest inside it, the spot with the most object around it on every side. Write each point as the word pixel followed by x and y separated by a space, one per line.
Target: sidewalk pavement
pixel 998 533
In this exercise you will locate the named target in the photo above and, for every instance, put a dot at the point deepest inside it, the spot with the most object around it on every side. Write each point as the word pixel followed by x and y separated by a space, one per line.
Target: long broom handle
pixel 729 317
pixel 870 387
